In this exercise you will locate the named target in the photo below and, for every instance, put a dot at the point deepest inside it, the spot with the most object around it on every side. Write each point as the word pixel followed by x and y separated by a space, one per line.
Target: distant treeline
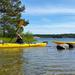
pixel 55 35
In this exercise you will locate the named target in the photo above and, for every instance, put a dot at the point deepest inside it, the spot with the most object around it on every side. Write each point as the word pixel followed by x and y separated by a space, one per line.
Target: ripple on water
pixel 49 61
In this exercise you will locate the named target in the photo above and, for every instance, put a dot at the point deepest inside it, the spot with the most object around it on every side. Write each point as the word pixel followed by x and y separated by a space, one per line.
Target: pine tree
pixel 10 15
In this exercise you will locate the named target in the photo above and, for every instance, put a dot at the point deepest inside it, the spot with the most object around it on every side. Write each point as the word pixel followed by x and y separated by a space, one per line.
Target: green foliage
pixel 28 38
pixel 10 14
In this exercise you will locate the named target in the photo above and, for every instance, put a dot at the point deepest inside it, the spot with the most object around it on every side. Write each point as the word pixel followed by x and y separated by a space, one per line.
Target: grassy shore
pixel 12 40
pixel 7 40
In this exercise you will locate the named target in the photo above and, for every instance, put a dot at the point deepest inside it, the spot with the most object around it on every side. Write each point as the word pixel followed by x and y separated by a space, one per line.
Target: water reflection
pixel 11 61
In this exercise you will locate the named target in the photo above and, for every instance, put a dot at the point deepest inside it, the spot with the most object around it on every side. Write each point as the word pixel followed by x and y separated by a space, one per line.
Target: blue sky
pixel 49 16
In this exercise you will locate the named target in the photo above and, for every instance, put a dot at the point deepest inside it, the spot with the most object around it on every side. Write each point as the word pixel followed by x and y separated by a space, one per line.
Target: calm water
pixel 38 61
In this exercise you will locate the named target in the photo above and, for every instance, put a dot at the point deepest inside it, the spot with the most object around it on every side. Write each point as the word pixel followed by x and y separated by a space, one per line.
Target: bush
pixel 28 38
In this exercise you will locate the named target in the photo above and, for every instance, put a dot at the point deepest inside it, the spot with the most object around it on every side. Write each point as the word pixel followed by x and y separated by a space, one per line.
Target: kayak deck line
pixel 13 45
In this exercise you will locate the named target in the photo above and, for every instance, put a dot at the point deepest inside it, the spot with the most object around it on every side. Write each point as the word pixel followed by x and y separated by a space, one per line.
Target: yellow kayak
pixel 58 42
pixel 61 42
pixel 14 45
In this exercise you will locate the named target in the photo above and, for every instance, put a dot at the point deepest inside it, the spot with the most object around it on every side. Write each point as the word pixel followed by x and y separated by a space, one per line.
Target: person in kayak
pixel 19 39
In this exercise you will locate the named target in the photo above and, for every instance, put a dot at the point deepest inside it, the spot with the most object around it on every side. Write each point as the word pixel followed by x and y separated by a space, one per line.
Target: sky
pixel 49 16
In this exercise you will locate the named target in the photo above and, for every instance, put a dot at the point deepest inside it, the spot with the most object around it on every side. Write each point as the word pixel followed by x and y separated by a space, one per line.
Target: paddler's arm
pixel 19 35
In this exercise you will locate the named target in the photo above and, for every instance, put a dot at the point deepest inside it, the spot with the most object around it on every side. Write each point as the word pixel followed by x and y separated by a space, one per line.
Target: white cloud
pixel 64 25
pixel 58 25
pixel 52 29
pixel 49 10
